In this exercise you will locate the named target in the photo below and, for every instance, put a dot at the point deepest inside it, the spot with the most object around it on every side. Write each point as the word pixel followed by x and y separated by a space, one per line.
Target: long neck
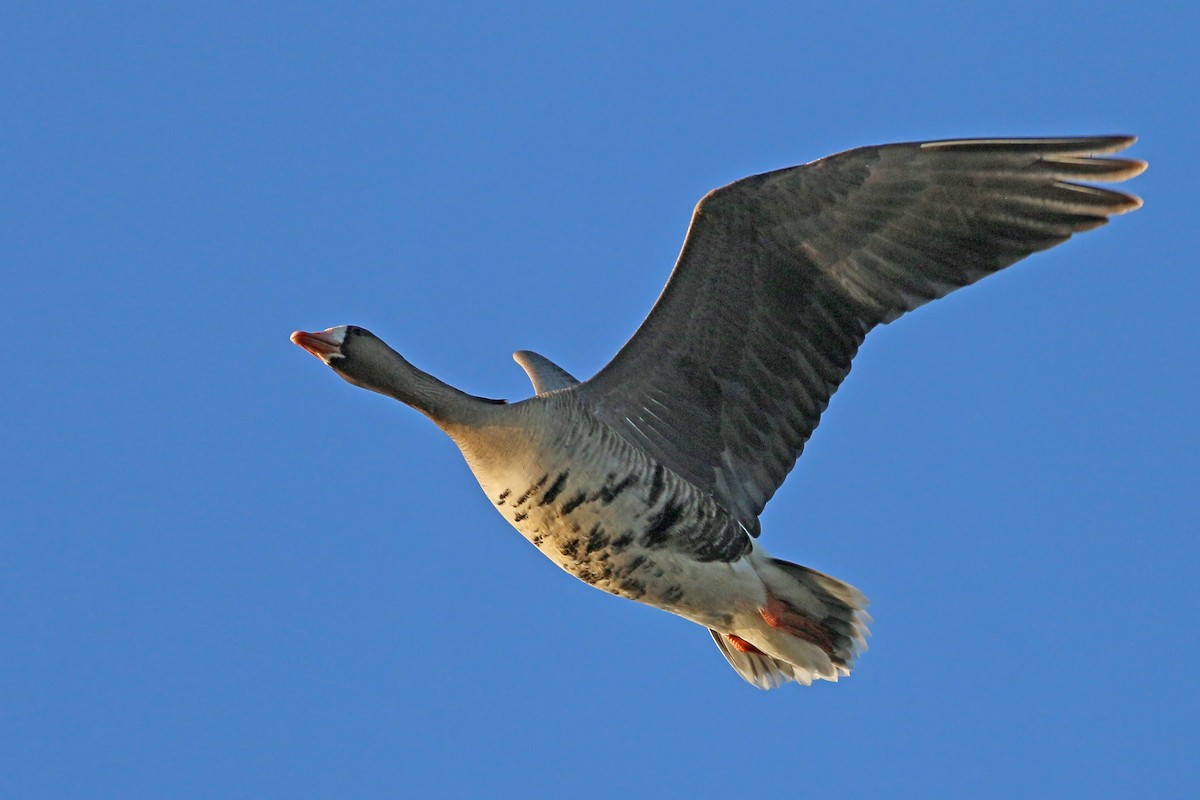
pixel 387 372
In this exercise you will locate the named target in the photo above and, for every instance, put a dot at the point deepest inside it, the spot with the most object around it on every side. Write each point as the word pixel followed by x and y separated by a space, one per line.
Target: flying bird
pixel 647 480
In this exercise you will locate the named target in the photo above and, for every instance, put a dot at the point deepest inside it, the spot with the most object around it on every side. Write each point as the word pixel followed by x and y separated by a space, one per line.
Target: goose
pixel 647 480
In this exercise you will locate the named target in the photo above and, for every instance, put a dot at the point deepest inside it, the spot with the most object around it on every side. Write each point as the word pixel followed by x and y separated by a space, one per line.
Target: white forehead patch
pixel 338 334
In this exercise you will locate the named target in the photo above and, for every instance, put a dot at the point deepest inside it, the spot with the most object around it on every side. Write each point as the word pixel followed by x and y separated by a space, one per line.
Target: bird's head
pixel 354 353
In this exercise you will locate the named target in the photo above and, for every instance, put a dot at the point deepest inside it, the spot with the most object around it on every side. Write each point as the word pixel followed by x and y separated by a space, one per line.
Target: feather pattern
pixel 783 274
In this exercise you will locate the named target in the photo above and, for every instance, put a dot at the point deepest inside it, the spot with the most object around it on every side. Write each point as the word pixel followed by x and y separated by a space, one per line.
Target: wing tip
pixel 1064 145
pixel 1129 202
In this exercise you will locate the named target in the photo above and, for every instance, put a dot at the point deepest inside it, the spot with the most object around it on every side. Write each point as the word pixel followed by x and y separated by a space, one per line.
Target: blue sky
pixel 224 573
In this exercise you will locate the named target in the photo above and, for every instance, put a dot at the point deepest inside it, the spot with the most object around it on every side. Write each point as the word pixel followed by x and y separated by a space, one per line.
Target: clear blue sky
pixel 224 573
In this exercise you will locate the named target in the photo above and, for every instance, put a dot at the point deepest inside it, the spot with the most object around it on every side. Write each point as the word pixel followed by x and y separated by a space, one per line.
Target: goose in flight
pixel 647 480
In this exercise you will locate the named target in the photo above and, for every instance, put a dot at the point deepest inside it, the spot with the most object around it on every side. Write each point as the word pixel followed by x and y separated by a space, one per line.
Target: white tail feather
pixel 813 626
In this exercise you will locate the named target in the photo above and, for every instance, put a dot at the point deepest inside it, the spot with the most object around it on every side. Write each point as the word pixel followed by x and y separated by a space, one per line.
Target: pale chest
pixel 619 529
pixel 590 522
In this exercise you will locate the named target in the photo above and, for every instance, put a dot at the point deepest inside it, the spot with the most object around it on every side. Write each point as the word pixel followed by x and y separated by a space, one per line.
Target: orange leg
pixel 784 616
pixel 741 644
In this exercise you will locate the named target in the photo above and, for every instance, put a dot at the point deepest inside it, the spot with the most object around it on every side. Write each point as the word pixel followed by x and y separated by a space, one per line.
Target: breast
pixel 608 514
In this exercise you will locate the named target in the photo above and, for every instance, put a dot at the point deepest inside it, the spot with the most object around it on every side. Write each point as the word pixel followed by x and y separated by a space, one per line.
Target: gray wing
pixel 782 275
pixel 544 374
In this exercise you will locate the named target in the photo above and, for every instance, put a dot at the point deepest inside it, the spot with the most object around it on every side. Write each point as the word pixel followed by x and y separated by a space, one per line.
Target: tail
pixel 812 626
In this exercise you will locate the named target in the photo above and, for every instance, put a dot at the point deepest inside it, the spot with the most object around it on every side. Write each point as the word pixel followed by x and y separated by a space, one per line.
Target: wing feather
pixel 782 275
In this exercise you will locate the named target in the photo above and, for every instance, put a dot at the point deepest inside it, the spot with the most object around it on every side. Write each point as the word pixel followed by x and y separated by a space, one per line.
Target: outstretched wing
pixel 783 274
